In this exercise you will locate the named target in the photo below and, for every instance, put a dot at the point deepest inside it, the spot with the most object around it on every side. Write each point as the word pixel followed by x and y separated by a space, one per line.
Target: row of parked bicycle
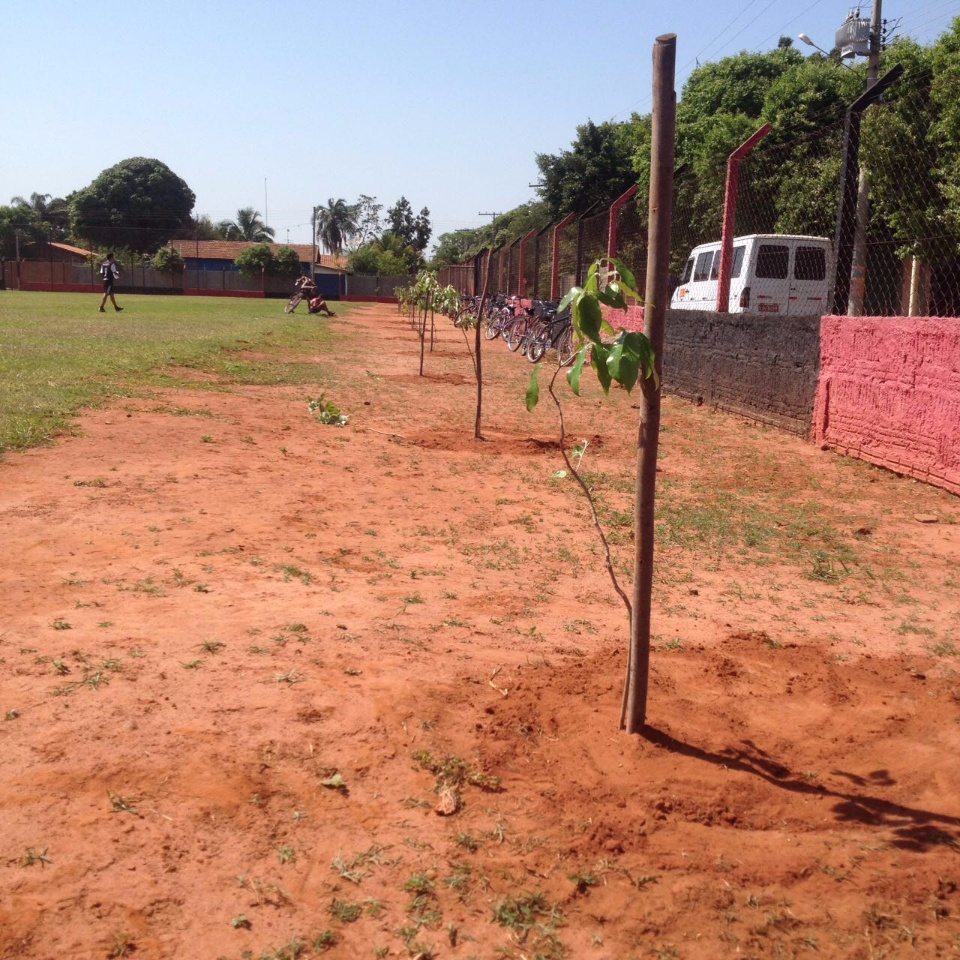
pixel 530 327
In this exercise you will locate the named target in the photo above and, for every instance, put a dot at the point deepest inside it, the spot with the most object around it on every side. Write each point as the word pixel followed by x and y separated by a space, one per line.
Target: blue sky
pixel 281 105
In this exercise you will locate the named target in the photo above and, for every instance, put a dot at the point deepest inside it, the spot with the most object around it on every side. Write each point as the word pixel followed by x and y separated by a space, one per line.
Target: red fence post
pixel 522 272
pixel 614 229
pixel 555 270
pixel 730 215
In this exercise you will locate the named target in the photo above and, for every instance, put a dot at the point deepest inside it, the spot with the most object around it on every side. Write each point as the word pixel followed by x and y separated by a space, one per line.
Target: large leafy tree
pixel 597 168
pixel 248 226
pixel 17 223
pixel 412 230
pixel 51 213
pixel 369 220
pixel 336 222
pixel 911 145
pixel 137 204
pixel 201 228
pixel 389 256
pixel 456 246
pixel 945 94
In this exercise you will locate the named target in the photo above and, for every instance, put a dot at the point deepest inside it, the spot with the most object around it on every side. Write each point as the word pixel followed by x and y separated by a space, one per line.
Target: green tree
pixel 911 147
pixel 138 203
pixel 389 257
pixel 369 220
pixel 255 260
pixel 286 262
pixel 52 214
pixel 14 221
pixel 596 170
pixel 248 226
pixel 456 246
pixel 335 223
pixel 945 94
pixel 167 260
pixel 799 163
pixel 200 228
pixel 413 231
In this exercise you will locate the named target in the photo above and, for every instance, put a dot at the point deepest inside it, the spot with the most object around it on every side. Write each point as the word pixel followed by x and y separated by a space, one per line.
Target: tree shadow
pixel 913 829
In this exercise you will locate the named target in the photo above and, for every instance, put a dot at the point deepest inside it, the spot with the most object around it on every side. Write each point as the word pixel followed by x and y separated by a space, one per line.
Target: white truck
pixel 770 274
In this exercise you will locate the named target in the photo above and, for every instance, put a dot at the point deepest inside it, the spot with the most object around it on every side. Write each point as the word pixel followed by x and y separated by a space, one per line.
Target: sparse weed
pixel 32 857
pixel 345 911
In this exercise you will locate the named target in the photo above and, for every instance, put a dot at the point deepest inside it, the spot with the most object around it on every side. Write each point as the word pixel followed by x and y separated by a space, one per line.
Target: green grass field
pixel 58 354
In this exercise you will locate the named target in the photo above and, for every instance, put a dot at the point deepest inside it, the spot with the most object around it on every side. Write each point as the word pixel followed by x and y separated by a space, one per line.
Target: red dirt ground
pixel 211 604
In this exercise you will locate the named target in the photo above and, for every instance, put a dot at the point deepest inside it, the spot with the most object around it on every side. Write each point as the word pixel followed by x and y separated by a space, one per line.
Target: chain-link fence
pixel 904 243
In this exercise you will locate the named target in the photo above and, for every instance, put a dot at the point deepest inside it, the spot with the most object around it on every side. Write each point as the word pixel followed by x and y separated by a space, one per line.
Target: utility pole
pixel 858 269
pixel 313 233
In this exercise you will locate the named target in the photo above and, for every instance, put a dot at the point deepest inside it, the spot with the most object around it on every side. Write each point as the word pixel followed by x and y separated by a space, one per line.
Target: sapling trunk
pixel 423 336
pixel 478 339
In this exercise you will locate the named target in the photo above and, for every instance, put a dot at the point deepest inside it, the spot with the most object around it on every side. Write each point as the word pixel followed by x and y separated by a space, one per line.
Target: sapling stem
pixel 608 560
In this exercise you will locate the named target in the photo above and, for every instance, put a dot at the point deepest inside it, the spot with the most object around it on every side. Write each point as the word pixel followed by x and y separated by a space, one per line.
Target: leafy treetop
pixel 138 203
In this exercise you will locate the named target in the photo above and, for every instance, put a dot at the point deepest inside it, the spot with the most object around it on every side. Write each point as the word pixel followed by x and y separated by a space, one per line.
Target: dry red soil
pixel 272 688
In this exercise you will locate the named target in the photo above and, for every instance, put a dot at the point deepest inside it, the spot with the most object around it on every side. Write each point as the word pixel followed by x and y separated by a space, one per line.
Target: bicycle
pixel 500 316
pixel 554 333
pixel 536 318
pixel 293 302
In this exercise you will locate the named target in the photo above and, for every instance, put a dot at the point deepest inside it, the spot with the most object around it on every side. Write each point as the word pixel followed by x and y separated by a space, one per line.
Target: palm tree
pixel 248 226
pixel 335 223
pixel 51 214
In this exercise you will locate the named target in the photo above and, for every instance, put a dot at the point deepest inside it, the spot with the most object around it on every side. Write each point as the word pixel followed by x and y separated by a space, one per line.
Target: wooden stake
pixel 662 147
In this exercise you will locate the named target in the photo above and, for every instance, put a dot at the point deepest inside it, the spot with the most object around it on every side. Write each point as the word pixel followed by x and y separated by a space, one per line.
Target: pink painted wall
pixel 629 319
pixel 889 392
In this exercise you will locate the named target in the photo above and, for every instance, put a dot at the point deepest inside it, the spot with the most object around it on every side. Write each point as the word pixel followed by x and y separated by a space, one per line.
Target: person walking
pixel 110 272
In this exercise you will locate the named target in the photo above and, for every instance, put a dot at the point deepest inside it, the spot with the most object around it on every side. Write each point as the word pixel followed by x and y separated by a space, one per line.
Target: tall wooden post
pixel 662 150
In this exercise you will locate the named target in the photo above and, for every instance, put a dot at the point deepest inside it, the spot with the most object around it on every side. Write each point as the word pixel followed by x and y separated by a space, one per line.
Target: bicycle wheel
pixel 536 330
pixel 536 347
pixel 565 351
pixel 516 335
pixel 491 328
pixel 293 303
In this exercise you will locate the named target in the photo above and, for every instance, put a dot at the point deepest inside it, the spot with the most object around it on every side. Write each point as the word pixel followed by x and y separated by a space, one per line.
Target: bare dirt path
pixel 279 689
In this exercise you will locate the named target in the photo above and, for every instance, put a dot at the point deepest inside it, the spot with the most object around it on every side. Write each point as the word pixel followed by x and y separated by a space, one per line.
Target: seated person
pixel 319 305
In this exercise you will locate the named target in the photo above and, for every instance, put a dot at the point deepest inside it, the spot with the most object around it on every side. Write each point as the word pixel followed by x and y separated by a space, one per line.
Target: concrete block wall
pixel 760 367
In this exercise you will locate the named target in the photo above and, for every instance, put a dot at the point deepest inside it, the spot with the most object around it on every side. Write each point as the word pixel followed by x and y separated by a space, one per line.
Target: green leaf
pixel 587 318
pixel 648 359
pixel 629 281
pixel 533 391
pixel 612 297
pixel 565 302
pixel 599 361
pixel 623 361
pixel 573 374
